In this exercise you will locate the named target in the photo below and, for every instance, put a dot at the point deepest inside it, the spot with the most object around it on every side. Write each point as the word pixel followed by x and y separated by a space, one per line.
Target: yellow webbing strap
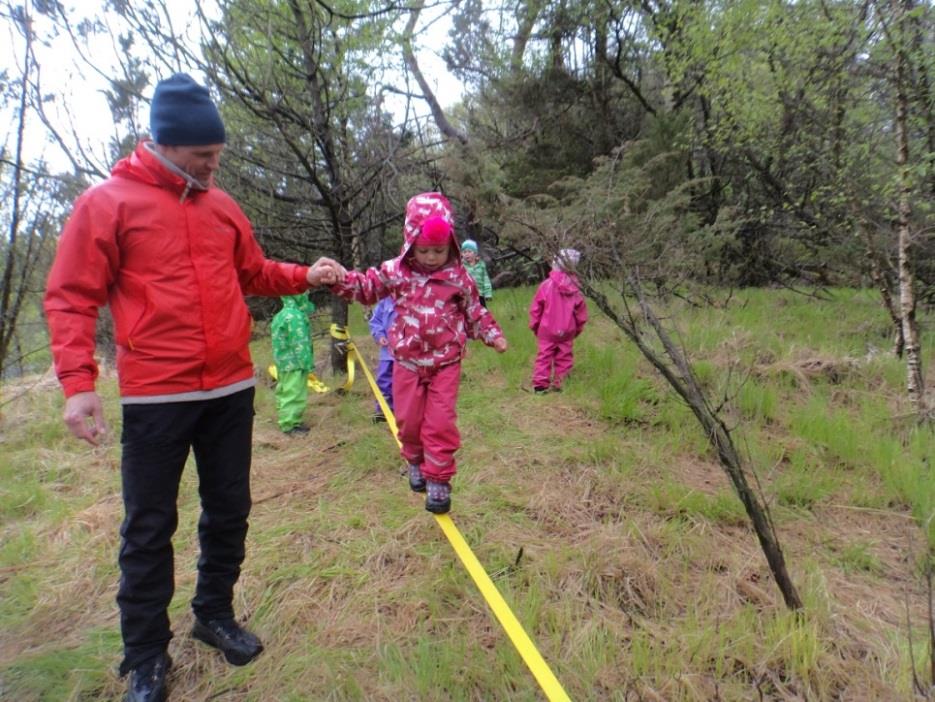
pixel 313 382
pixel 527 649
pixel 353 355
pixel 340 333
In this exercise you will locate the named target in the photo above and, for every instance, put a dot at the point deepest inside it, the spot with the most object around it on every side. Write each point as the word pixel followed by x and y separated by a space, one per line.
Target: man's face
pixel 200 162
pixel 431 257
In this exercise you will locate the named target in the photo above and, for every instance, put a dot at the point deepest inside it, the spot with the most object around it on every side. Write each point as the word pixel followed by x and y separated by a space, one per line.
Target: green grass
pixel 63 672
pixel 758 403
pixel 859 558
pixel 800 485
pixel 600 513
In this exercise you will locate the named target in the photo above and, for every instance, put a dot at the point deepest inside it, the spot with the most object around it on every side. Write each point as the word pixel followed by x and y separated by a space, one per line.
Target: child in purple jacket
pixel 381 319
pixel 557 316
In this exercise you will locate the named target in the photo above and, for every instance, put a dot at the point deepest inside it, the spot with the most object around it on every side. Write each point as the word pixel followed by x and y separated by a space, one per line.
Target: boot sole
pixel 233 657
pixel 438 507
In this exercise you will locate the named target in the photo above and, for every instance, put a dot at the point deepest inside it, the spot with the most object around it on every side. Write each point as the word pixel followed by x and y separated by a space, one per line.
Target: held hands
pixel 383 341
pixel 84 417
pixel 500 344
pixel 325 271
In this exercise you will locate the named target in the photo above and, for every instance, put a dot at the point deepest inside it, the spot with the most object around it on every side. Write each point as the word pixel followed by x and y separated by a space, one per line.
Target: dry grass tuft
pixel 805 370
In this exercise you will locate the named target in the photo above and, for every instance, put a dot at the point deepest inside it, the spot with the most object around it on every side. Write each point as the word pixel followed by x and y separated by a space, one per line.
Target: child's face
pixel 431 257
pixel 469 255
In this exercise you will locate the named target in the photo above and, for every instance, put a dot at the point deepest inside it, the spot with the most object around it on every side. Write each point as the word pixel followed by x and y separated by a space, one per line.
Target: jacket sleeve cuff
pixel 73 387
pixel 300 275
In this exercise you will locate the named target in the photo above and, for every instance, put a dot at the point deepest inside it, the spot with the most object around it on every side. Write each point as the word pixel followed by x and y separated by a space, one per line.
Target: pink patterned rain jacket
pixel 436 312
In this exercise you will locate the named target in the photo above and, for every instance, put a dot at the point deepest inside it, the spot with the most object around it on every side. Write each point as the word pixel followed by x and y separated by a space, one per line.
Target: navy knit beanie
pixel 182 114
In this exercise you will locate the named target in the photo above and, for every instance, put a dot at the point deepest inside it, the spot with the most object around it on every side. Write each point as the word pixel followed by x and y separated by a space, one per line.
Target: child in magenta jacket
pixel 437 310
pixel 557 316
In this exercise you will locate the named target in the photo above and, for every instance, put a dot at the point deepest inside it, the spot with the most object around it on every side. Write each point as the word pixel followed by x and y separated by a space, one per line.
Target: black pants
pixel 156 440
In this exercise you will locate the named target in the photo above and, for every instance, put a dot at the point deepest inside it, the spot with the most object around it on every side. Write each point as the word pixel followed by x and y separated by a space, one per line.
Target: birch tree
pixel 898 34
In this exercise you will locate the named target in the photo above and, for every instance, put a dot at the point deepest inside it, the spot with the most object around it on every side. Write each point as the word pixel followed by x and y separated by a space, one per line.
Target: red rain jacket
pixel 174 265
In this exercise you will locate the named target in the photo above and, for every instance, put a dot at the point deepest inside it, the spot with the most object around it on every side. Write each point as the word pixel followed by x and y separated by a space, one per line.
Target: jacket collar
pixel 147 165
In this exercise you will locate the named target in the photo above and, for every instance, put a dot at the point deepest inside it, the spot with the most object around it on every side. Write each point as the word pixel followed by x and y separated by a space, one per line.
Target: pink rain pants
pixel 553 362
pixel 425 403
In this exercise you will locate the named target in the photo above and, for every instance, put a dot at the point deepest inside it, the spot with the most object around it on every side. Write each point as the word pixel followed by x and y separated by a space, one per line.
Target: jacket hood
pixel 420 208
pixel 146 166
pixel 298 302
pixel 566 283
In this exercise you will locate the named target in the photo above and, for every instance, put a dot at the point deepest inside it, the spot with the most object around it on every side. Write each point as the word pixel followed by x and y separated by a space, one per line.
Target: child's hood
pixel 565 283
pixel 420 208
pixel 299 302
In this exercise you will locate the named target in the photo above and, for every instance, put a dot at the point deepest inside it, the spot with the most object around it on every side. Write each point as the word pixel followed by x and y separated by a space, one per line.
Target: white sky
pixel 80 99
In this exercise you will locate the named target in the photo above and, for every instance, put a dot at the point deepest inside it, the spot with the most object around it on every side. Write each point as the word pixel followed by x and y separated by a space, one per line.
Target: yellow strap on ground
pixel 385 408
pixel 340 333
pixel 313 382
pixel 525 647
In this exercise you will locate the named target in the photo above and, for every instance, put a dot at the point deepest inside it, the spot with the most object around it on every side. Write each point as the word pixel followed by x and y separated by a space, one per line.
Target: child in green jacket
pixel 295 359
pixel 477 269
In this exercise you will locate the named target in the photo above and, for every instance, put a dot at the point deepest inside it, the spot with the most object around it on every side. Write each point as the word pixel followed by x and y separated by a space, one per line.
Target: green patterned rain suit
pixel 294 358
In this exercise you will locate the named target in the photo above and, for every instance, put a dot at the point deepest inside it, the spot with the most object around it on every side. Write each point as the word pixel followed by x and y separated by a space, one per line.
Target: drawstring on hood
pixel 191 183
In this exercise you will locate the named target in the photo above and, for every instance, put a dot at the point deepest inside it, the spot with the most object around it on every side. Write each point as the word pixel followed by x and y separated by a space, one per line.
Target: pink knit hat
pixel 435 231
pixel 429 221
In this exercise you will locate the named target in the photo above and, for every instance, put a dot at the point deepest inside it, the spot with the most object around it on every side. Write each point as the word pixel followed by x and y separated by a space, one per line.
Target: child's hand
pixel 325 271
pixel 500 345
pixel 383 341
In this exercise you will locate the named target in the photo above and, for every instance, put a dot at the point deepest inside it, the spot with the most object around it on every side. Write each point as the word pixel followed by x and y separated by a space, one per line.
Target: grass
pixel 600 513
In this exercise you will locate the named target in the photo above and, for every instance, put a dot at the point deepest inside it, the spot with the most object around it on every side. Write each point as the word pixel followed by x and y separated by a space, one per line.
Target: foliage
pixel 777 116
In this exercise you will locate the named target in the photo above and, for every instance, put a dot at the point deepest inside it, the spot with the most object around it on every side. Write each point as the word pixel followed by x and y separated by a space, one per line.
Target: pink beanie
pixel 435 231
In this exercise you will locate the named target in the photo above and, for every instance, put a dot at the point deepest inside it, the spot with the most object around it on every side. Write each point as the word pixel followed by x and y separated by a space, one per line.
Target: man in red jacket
pixel 173 257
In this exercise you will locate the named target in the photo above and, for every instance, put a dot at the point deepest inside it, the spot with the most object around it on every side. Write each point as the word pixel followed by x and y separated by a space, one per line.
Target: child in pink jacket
pixel 557 316
pixel 437 310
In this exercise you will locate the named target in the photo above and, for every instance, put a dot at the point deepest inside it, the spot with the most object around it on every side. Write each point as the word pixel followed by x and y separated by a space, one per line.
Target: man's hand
pixel 500 345
pixel 84 417
pixel 325 271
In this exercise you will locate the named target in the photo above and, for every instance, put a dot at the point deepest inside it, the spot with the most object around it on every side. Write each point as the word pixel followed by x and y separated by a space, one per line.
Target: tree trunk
pixel 924 97
pixel 678 373
pixel 915 380
pixel 526 15
pixel 879 278
pixel 335 194
pixel 438 114
pixel 9 307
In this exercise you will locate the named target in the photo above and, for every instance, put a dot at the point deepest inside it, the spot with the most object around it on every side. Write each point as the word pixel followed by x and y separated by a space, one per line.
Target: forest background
pixel 690 150
pixel 726 144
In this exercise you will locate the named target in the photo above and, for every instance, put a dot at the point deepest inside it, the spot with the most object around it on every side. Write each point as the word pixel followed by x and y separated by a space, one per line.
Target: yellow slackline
pixel 313 382
pixel 353 355
pixel 525 647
